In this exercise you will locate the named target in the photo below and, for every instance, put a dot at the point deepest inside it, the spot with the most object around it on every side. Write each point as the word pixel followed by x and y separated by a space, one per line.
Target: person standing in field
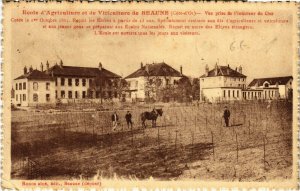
pixel 226 116
pixel 128 117
pixel 114 119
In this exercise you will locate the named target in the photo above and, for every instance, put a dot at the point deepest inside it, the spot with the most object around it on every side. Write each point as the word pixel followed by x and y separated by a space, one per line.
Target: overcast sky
pixel 265 51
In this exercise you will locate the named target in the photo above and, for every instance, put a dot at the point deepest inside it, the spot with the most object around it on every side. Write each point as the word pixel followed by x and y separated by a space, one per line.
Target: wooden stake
pixel 237 147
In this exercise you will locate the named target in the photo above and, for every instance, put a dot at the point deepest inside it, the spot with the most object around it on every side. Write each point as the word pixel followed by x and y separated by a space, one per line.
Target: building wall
pixel 220 94
pixel 288 86
pixel 21 93
pixel 138 86
pixel 44 93
pixel 80 88
pixel 223 82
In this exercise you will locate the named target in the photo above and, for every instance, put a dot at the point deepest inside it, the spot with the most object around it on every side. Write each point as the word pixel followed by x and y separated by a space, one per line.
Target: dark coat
pixel 226 113
pixel 128 117
pixel 113 117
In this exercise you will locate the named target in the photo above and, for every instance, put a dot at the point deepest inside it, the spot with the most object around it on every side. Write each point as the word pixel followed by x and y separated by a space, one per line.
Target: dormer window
pixel 266 84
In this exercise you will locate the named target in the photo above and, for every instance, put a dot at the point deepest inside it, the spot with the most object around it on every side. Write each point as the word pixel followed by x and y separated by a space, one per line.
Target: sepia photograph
pixel 167 95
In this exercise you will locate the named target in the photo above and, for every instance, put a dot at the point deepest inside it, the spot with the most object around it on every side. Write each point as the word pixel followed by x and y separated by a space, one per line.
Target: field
pixel 189 142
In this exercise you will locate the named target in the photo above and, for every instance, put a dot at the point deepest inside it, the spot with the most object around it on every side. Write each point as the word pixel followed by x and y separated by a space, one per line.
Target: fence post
pixel 176 139
pixel 192 144
pixel 237 147
pixel 264 140
pixel 213 146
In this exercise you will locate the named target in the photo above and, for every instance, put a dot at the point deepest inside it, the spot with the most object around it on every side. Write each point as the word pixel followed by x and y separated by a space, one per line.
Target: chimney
pixel 47 65
pixel 25 70
pixel 142 65
pixel 228 69
pixel 42 67
pixel 100 66
pixel 206 70
pixel 61 63
pixel 147 68
pixel 216 69
pixel 30 69
pixel 181 70
pixel 235 68
pixel 240 69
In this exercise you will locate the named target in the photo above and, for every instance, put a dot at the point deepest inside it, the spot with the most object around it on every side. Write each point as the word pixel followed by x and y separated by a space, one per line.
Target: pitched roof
pixel 223 71
pixel 35 75
pixel 280 80
pixel 155 69
pixel 81 71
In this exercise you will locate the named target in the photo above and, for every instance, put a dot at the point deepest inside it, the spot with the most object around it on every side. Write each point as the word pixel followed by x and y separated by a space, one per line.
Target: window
pixel 97 94
pixel 35 86
pixel 90 82
pixel 233 93
pixel 47 86
pixel 228 93
pixel 16 86
pixel 62 81
pixel 251 94
pixel 76 94
pixel 83 82
pixel 35 97
pixel 83 94
pixel 47 97
pixel 167 81
pixel 62 94
pixel 24 85
pixel 70 94
pixel 24 97
pixel 20 86
pixel 70 82
pixel 224 95
pixel 237 94
pixel 16 97
pixel 76 82
pixel 266 85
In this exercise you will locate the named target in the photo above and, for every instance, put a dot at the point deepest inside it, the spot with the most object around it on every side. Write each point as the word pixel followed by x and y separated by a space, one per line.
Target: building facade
pixel 145 82
pixel 270 88
pixel 33 88
pixel 65 84
pixel 222 83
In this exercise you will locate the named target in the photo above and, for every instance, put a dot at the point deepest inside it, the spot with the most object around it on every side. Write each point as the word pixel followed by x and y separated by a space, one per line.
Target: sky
pixel 263 52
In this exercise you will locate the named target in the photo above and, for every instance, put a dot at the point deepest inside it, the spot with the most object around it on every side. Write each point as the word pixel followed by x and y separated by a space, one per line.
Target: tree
pixel 196 89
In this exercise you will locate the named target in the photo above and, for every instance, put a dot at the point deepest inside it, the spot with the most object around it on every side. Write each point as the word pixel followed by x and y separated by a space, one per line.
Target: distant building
pixel 270 88
pixel 222 83
pixel 143 81
pixel 72 82
pixel 66 83
pixel 33 87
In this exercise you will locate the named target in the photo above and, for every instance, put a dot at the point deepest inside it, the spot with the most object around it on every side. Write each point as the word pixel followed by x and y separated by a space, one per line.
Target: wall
pixel 20 93
pixel 41 91
pixel 80 88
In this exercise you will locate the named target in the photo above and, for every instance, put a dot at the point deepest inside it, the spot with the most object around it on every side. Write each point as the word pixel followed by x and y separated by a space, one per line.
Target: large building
pixel 222 83
pixel 143 81
pixel 270 88
pixel 32 88
pixel 64 83
pixel 72 82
